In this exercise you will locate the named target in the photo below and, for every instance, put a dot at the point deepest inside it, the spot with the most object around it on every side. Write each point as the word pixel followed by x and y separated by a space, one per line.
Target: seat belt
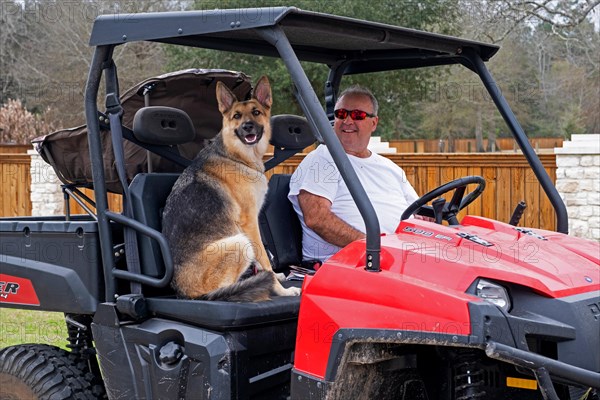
pixel 115 112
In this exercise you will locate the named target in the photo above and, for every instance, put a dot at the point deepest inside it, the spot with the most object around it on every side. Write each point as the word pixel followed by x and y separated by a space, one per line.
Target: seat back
pixel 290 134
pixel 279 225
pixel 165 126
pixel 149 194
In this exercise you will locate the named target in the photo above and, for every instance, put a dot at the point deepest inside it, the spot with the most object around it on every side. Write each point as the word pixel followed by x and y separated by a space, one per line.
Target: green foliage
pixel 396 91
pixel 571 122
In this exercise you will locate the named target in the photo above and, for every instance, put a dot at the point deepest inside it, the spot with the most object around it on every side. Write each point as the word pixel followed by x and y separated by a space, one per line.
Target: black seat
pixel 279 225
pixel 149 194
pixel 161 128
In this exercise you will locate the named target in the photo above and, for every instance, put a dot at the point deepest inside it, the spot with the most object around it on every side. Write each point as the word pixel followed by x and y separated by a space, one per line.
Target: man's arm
pixel 319 217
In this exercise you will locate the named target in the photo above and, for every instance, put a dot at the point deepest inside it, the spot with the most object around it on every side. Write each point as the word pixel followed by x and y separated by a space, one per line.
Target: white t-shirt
pixel 385 183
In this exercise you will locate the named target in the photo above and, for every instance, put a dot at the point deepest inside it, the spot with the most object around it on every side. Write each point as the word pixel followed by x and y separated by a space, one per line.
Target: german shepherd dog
pixel 211 216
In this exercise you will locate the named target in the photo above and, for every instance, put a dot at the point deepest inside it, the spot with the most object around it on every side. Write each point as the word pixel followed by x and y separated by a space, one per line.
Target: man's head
pixel 356 118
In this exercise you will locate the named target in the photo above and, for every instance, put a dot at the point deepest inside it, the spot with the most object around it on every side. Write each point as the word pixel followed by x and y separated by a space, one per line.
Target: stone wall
pixel 578 182
pixel 46 194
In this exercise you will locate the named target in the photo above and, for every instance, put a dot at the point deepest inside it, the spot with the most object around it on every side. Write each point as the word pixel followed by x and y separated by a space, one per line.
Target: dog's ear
pixel 262 92
pixel 225 97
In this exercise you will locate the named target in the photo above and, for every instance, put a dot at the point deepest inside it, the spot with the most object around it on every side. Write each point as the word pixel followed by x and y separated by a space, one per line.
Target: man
pixel 329 217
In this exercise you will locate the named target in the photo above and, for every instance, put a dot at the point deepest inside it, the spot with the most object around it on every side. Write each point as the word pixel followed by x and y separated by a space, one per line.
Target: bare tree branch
pixel 549 10
pixel 500 18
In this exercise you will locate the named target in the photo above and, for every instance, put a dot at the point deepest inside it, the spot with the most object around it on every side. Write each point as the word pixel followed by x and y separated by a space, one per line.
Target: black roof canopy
pixel 315 37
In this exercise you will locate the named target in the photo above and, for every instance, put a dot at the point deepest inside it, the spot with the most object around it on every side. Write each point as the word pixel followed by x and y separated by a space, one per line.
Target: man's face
pixel 355 134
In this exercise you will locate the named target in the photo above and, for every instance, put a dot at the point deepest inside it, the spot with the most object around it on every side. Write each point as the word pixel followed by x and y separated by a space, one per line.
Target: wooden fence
pixel 467 145
pixel 508 176
pixel 15 188
pixel 15 148
pixel 509 179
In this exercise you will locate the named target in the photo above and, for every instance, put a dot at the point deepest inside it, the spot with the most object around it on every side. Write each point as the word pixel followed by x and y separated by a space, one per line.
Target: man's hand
pixel 319 217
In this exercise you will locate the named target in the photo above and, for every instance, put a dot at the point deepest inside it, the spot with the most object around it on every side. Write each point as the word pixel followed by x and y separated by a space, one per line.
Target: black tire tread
pixel 51 372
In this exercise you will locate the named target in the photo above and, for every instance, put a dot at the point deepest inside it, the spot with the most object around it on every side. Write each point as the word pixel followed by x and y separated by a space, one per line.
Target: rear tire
pixel 37 371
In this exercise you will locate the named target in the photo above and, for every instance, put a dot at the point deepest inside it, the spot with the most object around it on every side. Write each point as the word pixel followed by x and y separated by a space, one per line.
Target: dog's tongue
pixel 250 138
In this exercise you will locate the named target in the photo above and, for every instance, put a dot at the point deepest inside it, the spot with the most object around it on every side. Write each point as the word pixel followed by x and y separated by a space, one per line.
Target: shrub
pixel 18 125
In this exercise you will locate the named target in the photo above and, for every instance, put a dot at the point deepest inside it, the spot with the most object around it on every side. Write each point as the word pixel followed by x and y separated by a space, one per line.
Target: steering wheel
pixel 442 210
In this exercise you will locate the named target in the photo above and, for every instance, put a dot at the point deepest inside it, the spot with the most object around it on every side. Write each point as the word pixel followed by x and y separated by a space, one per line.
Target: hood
pixel 550 263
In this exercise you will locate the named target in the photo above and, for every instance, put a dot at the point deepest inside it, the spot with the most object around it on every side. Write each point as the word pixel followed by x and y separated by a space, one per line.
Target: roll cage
pixel 347 46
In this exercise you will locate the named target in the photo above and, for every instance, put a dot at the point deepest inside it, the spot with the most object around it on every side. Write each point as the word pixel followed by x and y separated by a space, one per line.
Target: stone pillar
pixel 46 194
pixel 578 182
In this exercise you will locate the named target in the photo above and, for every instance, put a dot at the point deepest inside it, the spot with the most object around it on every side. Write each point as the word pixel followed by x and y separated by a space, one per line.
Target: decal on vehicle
pixel 15 290
pixel 475 239
pixel 425 233
pixel 529 232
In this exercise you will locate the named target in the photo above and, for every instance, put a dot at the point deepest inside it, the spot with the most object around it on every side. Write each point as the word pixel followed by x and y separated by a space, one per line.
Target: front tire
pixel 37 371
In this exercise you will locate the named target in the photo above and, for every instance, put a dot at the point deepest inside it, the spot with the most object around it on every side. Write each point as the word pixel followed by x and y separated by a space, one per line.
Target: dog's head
pixel 246 124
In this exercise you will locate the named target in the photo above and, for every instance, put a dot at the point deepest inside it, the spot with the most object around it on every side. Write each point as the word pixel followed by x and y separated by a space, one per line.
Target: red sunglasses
pixel 357 115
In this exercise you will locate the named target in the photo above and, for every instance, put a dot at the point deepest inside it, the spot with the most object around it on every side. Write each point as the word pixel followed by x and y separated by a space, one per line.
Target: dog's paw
pixel 280 277
pixel 293 291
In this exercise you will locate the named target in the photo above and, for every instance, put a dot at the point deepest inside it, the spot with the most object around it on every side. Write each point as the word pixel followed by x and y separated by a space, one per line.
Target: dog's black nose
pixel 248 126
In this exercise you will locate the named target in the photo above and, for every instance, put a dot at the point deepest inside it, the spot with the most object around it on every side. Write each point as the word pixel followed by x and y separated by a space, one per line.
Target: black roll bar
pixel 164 249
pixel 318 120
pixel 332 86
pixel 102 56
pixel 562 222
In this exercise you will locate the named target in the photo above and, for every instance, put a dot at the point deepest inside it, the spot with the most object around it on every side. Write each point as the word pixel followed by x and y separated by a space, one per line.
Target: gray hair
pixel 357 90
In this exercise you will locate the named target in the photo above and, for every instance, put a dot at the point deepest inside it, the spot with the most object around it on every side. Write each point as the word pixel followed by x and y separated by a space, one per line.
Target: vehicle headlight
pixel 493 293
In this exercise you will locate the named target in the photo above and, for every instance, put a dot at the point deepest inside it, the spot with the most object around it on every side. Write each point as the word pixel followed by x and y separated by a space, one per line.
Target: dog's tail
pixel 255 288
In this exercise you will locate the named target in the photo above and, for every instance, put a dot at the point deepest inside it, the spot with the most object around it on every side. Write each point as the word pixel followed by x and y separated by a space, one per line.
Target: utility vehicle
pixel 388 317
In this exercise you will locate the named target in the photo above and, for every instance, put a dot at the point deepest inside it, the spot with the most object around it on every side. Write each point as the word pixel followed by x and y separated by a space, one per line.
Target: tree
pixel 548 71
pixel 499 18
pixel 567 75
pixel 46 55
pixel 548 67
pixel 396 89
pixel 14 27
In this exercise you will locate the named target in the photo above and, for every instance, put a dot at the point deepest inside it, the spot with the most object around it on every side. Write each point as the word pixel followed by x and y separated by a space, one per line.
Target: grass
pixel 24 326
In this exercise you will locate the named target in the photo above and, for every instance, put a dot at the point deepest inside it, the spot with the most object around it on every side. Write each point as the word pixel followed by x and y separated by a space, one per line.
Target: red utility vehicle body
pixel 424 264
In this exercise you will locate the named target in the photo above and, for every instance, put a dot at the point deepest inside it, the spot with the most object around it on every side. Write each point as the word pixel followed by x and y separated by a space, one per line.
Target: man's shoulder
pixel 320 153
pixel 380 165
pixel 382 160
pixel 317 159
pixel 316 174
